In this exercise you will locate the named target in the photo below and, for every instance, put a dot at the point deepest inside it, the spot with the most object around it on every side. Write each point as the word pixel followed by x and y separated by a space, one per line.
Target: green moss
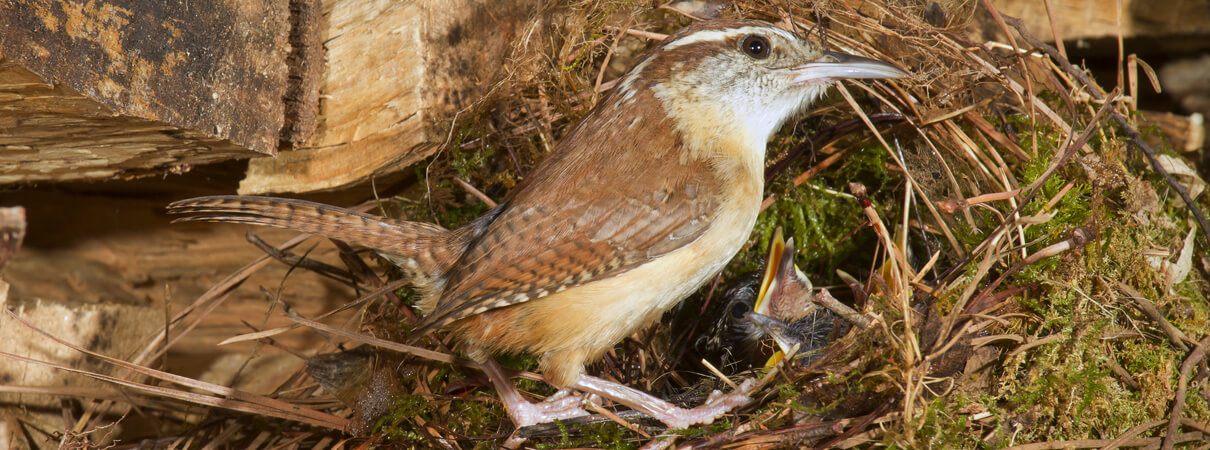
pixel 786 392
pixel 1071 211
pixel 394 427
pixel 1066 388
pixel 825 222
pixel 720 425
pixel 603 435
pixel 943 427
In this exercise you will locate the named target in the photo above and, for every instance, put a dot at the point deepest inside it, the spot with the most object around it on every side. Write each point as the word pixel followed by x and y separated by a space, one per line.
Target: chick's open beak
pixel 781 283
pixel 779 330
pixel 834 66
pixel 769 279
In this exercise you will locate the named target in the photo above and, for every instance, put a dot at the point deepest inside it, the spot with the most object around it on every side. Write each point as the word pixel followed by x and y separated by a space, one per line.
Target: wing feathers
pixel 529 254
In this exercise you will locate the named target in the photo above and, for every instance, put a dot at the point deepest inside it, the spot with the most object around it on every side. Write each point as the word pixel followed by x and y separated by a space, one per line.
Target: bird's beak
pixel 781 280
pixel 778 284
pixel 769 279
pixel 834 66
pixel 777 329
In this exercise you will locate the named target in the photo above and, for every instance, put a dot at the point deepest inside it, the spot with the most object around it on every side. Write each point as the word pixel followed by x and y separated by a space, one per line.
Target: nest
pixel 1023 257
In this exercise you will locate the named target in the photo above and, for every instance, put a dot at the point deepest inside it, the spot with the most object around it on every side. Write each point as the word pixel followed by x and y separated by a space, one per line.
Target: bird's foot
pixel 562 405
pixel 716 405
pixel 675 417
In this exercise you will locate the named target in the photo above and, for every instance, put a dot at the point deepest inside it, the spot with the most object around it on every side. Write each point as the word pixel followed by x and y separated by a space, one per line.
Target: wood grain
pixel 215 66
pixel 1085 19
pixel 110 252
pixel 398 74
pixel 49 132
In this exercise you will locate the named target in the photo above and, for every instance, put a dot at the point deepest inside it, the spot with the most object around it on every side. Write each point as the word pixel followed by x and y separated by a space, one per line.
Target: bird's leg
pixel 560 406
pixel 675 417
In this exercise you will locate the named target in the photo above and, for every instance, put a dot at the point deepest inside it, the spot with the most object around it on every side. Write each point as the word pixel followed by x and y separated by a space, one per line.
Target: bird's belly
pixel 591 318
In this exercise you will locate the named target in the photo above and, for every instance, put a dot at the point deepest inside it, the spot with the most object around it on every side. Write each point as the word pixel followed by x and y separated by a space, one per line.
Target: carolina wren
pixel 643 201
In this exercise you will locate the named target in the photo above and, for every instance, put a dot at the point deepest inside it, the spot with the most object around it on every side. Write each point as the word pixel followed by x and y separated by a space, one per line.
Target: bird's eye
pixel 756 46
pixel 738 310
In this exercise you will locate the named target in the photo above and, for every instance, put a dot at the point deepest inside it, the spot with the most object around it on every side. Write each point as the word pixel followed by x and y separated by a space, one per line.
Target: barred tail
pixel 420 248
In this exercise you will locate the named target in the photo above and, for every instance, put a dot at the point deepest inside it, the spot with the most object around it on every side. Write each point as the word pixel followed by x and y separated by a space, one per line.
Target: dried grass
pixel 999 267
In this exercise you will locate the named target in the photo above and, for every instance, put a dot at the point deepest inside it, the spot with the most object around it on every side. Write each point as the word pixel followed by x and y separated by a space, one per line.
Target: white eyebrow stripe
pixel 723 35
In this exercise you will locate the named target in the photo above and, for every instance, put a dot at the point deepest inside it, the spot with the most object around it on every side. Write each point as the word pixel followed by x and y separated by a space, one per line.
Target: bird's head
pixel 741 78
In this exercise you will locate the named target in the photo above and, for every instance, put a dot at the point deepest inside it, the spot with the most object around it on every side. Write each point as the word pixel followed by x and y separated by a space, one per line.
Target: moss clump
pixel 395 425
pixel 945 425
pixel 602 435
pixel 825 222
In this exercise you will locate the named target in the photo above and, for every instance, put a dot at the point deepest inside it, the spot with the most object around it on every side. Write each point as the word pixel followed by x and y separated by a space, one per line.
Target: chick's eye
pixel 738 310
pixel 756 46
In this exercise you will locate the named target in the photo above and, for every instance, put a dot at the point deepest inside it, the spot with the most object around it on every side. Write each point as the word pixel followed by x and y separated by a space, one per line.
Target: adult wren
pixel 643 201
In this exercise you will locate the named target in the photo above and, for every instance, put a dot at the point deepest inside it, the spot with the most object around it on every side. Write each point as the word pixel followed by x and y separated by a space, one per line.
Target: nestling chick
pixel 765 316
pixel 643 201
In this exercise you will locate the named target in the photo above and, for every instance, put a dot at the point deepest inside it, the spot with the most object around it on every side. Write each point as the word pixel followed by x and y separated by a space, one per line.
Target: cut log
pixel 114 253
pixel 1090 19
pixel 53 133
pixel 119 87
pixel 399 74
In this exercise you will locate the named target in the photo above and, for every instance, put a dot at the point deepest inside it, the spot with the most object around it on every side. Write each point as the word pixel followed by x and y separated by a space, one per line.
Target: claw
pixel 716 405
pixel 562 405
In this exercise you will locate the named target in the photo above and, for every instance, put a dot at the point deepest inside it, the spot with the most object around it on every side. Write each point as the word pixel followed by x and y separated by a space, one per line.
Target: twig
pixel 365 274
pixel 639 33
pixel 475 192
pixel 614 417
pixel 1178 404
pixel 825 299
pixel 762 439
pixel 825 137
pixel 264 334
pixel 1130 130
pixel 1131 433
pixel 1035 343
pixel 609 55
pixel 212 298
pixel 1175 335
pixel 1199 426
pixel 953 206
pixel 425 353
pixel 1095 443
pixel 1054 28
pixel 255 403
pixel 859 293
pixel 862 424
pixel 913 183
pixel 1125 376
pixel 867 207
pixel 1079 237
pixel 719 374
pixel 323 269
